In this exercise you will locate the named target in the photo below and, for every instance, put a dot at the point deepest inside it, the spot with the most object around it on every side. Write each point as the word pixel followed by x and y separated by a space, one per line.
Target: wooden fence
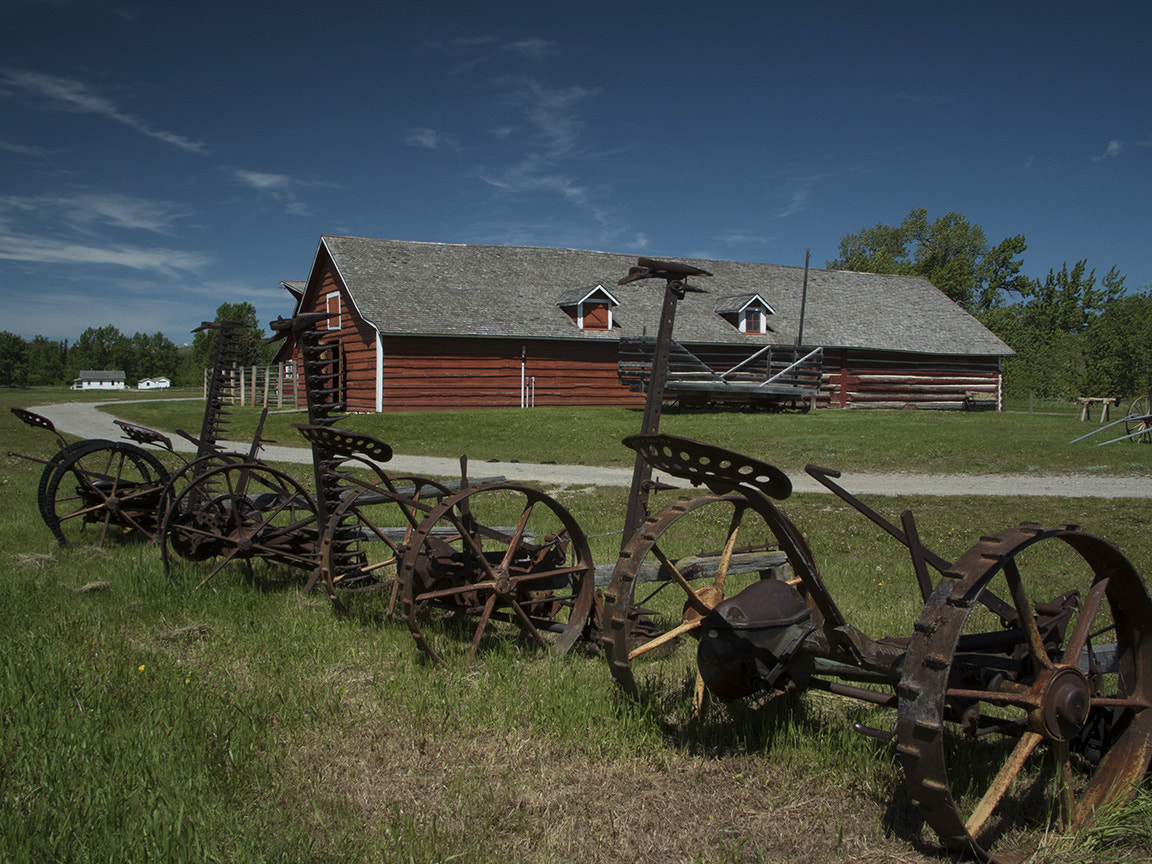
pixel 262 386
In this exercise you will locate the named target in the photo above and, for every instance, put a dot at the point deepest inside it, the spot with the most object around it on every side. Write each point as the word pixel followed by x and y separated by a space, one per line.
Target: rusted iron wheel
pixel 678 566
pixel 531 580
pixel 51 467
pixel 1140 428
pixel 98 490
pixel 362 544
pixel 238 512
pixel 1030 712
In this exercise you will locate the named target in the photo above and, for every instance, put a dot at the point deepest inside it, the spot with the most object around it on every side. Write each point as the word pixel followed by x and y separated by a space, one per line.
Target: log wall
pixel 863 379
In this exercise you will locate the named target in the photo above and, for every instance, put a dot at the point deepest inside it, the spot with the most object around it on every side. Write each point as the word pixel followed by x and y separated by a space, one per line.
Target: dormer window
pixel 589 308
pixel 748 313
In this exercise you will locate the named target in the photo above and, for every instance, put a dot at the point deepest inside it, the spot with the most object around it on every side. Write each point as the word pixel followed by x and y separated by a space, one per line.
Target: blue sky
pixel 158 159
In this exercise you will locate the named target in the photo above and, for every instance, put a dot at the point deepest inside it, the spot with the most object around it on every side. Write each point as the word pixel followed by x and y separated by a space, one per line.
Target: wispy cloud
pixel 68 94
pixel 280 187
pixel 537 50
pixel 921 98
pixel 469 53
pixel 23 150
pixel 554 135
pixel 1114 149
pixel 742 237
pixel 264 181
pixel 431 139
pixel 49 250
pixel 88 211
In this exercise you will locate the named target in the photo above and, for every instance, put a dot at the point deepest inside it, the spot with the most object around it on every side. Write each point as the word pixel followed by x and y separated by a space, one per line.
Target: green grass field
pixel 930 441
pixel 248 722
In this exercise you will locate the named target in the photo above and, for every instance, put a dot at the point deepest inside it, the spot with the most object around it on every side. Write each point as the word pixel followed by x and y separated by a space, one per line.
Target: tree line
pixel 1074 334
pixel 46 362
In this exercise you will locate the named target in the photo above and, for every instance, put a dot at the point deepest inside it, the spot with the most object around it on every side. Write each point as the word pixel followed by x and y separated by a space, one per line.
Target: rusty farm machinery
pixel 485 550
pixel 1020 701
pixel 98 490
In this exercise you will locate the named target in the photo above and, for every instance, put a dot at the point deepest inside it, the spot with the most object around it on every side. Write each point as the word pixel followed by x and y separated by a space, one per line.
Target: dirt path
pixel 87 421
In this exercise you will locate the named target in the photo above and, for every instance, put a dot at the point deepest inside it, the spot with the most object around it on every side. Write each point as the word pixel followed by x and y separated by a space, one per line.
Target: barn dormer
pixel 590 308
pixel 748 313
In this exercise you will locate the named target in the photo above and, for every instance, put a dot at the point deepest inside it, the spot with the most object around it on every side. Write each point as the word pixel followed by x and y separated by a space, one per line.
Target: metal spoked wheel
pixel 678 566
pixel 97 490
pixel 363 541
pixel 1139 426
pixel 51 467
pixel 464 581
pixel 1027 714
pixel 238 512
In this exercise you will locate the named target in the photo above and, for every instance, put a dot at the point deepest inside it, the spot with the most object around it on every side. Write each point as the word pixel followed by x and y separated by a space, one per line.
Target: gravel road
pixel 86 421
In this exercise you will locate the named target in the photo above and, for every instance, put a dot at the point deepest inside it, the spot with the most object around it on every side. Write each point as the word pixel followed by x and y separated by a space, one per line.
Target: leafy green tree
pixel 13 360
pixel 1069 300
pixel 251 349
pixel 153 355
pixel 97 348
pixel 950 252
pixel 1118 347
pixel 45 361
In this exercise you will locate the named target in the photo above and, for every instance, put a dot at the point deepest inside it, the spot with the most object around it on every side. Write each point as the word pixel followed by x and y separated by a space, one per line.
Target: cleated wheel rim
pixel 1024 711
pixel 493 565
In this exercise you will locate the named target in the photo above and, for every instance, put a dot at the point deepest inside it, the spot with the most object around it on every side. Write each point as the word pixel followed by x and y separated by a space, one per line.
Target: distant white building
pixel 98 380
pixel 160 383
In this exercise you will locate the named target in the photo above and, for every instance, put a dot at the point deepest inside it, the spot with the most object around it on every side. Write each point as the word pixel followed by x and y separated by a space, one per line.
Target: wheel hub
pixel 1064 703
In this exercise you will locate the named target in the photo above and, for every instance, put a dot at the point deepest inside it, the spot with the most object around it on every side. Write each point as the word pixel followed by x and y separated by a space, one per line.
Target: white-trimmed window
pixel 590 308
pixel 748 313
pixel 332 307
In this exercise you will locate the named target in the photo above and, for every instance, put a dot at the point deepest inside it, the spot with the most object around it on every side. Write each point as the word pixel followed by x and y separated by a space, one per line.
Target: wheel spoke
pixel 1003 780
pixel 528 625
pixel 664 638
pixel 692 597
pixel 456 562
pixel 515 540
pixel 726 555
pixel 1066 795
pixel 227 558
pixel 489 605
pixel 455 591
pixel 1027 618
pixel 1088 611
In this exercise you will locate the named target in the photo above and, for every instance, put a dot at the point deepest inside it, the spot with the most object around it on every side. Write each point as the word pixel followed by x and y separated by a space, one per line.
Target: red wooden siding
pixel 423 372
pixel 358 338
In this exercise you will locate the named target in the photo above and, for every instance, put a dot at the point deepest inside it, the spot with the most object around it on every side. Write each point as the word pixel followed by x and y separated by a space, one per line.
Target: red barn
pixel 437 325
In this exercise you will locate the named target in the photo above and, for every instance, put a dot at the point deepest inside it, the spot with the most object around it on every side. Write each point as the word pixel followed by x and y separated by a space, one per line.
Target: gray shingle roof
pixel 440 289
